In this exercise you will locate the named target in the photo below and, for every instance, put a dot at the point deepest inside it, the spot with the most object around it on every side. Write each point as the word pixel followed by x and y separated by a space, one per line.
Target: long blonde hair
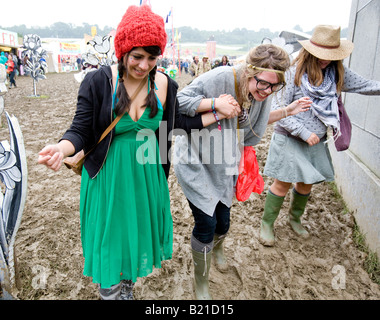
pixel 307 63
pixel 267 56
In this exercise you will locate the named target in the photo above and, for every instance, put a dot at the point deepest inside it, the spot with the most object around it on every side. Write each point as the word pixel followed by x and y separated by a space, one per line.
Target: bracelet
pixel 215 114
pixel 286 113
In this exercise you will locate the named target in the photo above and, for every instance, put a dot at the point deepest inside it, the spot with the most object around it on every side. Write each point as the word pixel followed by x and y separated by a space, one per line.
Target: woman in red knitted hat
pixel 126 223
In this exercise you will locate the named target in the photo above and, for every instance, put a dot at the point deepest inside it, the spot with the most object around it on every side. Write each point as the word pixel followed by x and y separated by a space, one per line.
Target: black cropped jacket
pixel 94 114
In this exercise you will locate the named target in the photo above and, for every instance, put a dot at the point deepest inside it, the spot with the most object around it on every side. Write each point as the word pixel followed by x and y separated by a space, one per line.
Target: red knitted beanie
pixel 140 27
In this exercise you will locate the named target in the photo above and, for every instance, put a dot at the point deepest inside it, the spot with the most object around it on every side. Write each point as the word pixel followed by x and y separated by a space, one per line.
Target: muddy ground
pixel 326 266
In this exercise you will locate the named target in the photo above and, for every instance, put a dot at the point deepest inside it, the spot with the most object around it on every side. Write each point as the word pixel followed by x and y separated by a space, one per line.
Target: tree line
pixel 241 36
pixel 58 30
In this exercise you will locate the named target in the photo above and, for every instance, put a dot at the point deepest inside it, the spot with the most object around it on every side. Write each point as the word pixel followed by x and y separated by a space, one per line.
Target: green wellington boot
pixel 218 252
pixel 202 262
pixel 272 208
pixel 296 209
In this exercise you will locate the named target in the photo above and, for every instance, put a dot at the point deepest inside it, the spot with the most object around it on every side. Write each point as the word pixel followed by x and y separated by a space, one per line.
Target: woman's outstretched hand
pixel 51 156
pixel 301 105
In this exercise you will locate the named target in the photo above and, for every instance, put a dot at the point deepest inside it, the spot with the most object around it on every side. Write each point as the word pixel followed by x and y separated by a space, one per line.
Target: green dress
pixel 126 223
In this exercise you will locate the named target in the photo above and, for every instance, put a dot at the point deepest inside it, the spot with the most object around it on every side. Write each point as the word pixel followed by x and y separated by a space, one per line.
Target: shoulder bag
pixel 342 142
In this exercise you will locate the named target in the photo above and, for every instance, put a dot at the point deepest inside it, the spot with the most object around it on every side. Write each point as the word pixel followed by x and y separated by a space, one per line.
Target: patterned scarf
pixel 324 97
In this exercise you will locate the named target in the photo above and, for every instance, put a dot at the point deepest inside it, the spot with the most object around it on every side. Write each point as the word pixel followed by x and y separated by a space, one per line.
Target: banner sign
pixel 69 48
pixel 8 38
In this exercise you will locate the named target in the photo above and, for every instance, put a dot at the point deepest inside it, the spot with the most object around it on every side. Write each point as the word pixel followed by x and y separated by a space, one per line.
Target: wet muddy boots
pixel 272 208
pixel 202 254
pixel 297 208
pixel 218 253
pixel 202 261
pixel 121 291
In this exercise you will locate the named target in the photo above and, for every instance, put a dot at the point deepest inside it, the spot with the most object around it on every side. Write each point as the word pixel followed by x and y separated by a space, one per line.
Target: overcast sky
pixel 275 15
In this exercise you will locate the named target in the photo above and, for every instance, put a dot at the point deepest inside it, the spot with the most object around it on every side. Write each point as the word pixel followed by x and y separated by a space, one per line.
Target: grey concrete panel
pixel 356 106
pixel 360 189
pixel 357 170
pixel 366 147
pixel 373 117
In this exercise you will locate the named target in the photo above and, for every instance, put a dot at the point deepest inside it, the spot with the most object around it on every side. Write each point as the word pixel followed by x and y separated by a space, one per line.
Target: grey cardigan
pixel 304 124
pixel 206 161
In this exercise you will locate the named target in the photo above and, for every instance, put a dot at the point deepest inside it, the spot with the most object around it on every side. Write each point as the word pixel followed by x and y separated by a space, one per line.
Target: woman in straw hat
pixel 126 223
pixel 206 162
pixel 298 153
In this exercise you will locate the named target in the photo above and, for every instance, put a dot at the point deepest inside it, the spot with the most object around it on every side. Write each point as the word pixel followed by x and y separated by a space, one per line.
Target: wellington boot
pixel 202 262
pixel 112 293
pixel 272 208
pixel 126 292
pixel 296 210
pixel 218 252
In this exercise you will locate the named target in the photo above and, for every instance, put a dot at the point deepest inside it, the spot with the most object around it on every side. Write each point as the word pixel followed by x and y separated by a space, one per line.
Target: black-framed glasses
pixel 264 85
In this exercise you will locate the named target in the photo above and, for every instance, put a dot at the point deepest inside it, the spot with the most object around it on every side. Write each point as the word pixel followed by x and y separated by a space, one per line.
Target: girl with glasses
pixel 206 161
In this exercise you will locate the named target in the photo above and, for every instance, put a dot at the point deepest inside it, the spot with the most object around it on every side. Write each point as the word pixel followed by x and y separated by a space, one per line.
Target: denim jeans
pixel 205 226
pixel 12 78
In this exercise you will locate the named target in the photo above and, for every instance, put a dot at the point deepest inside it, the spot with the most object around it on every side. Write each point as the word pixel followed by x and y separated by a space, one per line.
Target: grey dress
pixel 206 161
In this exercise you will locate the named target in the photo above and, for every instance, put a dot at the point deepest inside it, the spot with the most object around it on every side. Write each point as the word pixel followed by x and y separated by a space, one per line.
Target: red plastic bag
pixel 249 179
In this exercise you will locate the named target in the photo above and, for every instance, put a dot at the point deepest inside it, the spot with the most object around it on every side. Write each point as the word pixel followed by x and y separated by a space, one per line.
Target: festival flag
pixel 167 17
pixel 147 2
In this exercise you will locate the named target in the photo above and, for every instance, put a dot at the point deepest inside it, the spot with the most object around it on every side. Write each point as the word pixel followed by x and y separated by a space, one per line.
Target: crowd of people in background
pixel 194 67
pixel 12 65
pixel 197 68
pixel 15 66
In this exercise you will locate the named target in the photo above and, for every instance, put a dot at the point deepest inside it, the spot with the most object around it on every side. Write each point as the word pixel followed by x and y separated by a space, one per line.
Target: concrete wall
pixel 358 169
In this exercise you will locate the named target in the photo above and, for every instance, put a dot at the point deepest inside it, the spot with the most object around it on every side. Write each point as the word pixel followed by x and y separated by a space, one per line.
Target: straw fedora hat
pixel 326 44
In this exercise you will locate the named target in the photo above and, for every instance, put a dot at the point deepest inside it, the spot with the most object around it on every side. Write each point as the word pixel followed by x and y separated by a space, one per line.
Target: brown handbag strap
pixel 237 96
pixel 236 85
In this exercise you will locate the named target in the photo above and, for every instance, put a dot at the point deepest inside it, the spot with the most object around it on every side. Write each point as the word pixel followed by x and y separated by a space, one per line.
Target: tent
pixel 63 53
